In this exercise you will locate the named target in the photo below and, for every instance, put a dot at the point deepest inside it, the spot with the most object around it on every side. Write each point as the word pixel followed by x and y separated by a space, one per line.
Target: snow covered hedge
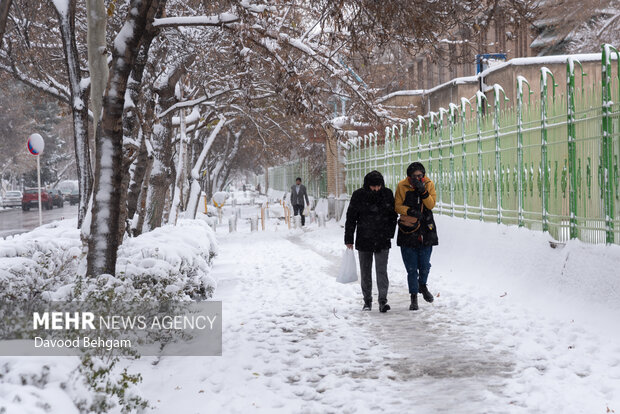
pixel 169 263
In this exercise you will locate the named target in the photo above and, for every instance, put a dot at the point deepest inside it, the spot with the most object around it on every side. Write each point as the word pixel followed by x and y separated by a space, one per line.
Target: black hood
pixel 373 178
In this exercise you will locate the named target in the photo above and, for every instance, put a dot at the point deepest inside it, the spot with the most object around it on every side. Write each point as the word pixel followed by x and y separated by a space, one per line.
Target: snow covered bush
pixel 169 264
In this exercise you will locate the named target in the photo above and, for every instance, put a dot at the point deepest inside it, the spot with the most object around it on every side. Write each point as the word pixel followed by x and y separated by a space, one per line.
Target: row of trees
pixel 168 96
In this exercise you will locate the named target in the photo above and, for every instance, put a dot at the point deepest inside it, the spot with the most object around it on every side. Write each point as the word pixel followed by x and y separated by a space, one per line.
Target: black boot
pixel 367 305
pixel 428 296
pixel 414 302
pixel 383 306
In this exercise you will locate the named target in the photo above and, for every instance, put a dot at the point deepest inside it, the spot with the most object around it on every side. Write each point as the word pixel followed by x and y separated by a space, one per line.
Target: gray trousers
pixel 381 259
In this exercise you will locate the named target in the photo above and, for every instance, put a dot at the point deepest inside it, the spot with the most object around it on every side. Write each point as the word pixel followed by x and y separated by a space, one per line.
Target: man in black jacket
pixel 298 194
pixel 371 211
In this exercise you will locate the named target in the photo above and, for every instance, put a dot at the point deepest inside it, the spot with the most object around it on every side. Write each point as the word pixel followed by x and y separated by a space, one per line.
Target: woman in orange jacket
pixel 417 234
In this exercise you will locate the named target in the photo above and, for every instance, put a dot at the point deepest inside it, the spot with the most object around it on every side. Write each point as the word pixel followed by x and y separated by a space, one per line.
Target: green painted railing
pixel 549 162
pixel 283 176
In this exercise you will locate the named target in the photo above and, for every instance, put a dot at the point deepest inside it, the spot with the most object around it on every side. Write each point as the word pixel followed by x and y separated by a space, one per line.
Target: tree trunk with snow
pixel 79 103
pixel 194 197
pixel 142 199
pixel 97 54
pixel 5 5
pixel 139 172
pixel 177 192
pixel 222 169
pixel 103 240
pixel 132 127
pixel 163 146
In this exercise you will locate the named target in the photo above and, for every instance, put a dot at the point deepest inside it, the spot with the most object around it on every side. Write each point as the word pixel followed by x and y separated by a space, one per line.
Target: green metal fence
pixel 549 162
pixel 282 177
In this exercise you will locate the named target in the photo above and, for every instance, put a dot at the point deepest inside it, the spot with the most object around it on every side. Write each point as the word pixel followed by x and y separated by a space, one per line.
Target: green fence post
pixel 409 144
pixel 375 156
pixel 607 178
pixel 386 155
pixel 402 157
pixel 479 98
pixel 572 151
pixel 497 91
pixel 431 126
pixel 409 139
pixel 394 150
pixel 419 134
pixel 544 173
pixel 464 102
pixel 440 177
pixel 520 81
pixel 453 109
pixel 358 164
pixel 366 151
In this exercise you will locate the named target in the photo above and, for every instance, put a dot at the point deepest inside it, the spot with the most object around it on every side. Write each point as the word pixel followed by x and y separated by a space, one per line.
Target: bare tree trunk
pixel 161 172
pixel 131 126
pixel 163 167
pixel 194 198
pixel 177 189
pixel 138 177
pixel 103 240
pixel 5 5
pixel 97 54
pixel 79 105
pixel 144 191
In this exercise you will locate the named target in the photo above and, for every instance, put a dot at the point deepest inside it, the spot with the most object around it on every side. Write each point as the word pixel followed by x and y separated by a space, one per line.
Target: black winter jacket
pixel 372 213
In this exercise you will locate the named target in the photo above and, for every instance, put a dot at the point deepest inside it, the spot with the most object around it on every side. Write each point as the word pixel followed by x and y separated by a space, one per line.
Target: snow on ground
pixel 517 327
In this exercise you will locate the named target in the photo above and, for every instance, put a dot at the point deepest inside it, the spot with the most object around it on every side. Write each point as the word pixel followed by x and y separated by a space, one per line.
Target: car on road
pixel 57 198
pixel 74 197
pixel 12 199
pixel 31 199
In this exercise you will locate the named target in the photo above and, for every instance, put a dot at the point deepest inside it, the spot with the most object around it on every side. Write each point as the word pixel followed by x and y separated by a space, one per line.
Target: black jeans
pixel 299 209
pixel 381 260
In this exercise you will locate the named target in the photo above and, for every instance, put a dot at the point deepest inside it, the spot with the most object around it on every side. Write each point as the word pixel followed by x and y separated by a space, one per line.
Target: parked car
pixel 31 199
pixel 74 197
pixel 12 199
pixel 57 198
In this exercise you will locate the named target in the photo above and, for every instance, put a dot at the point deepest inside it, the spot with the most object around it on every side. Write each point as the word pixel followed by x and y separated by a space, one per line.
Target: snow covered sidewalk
pixel 517 327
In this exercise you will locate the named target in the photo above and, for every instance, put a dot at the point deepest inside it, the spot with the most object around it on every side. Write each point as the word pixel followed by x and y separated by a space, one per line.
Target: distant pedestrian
pixel 298 194
pixel 371 213
pixel 258 188
pixel 244 188
pixel 417 233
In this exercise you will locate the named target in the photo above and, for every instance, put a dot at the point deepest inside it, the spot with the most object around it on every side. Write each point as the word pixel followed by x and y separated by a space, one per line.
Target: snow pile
pixel 43 260
pixel 39 385
pixel 46 261
pixel 275 194
pixel 322 207
pixel 170 260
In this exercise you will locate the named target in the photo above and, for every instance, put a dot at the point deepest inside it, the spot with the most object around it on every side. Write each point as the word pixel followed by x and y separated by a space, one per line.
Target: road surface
pixel 17 221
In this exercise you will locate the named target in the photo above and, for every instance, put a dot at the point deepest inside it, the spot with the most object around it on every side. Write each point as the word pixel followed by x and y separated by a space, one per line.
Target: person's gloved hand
pixel 419 186
pixel 414 213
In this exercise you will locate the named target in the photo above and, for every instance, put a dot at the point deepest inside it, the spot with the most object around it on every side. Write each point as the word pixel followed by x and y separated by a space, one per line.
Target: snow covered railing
pixel 548 162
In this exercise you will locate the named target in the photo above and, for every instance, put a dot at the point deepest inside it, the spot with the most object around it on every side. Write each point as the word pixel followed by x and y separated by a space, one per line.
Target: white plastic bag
pixel 348 268
pixel 306 211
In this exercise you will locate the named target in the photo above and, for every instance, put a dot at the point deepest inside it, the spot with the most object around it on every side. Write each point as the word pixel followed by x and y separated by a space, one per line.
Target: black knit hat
pixel 373 178
pixel 415 166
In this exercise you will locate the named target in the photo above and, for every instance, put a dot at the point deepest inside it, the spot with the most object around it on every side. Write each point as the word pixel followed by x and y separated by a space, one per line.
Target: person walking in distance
pixel 298 194
pixel 371 213
pixel 417 233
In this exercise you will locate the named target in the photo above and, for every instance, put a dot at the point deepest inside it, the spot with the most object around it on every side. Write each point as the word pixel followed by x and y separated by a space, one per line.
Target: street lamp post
pixel 35 146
